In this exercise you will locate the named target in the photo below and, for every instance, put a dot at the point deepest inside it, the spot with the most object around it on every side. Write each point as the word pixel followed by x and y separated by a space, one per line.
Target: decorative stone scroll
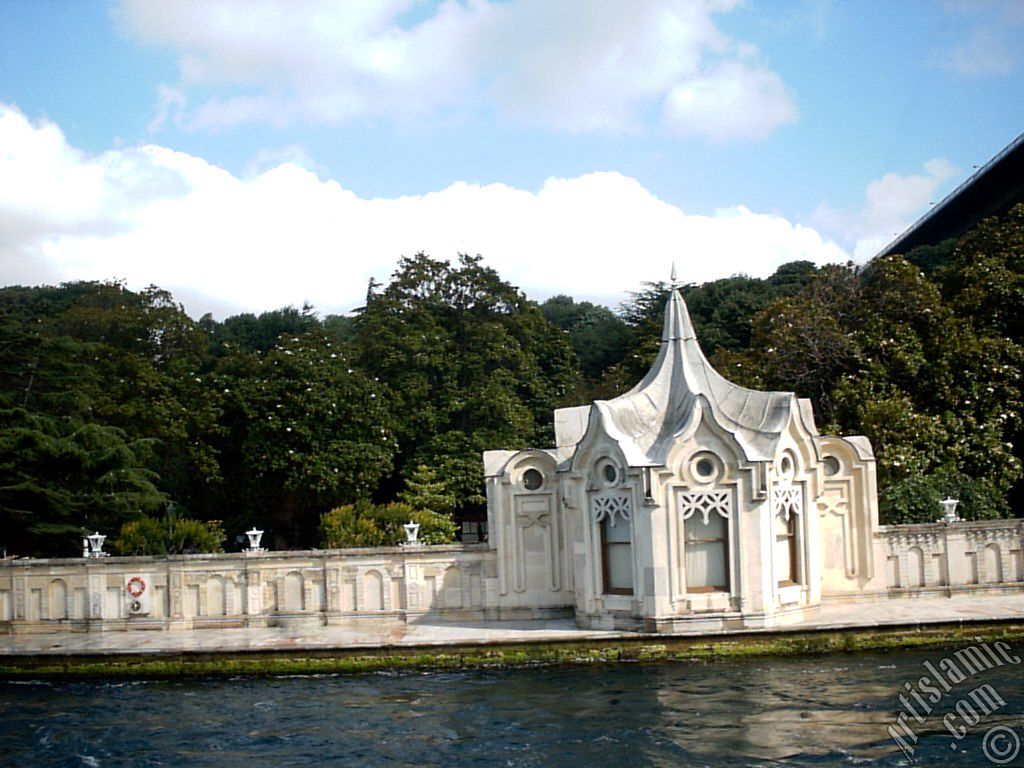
pixel 705 502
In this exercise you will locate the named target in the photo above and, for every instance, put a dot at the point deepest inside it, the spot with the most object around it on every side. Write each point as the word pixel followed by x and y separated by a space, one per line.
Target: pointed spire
pixel 678 325
pixel 673 280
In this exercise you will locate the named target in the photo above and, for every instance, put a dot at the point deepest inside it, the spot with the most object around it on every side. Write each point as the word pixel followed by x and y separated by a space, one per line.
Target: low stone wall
pixel 456 582
pixel 984 553
pixel 244 589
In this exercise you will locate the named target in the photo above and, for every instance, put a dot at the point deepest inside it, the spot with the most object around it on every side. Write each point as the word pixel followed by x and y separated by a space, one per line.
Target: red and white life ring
pixel 136 586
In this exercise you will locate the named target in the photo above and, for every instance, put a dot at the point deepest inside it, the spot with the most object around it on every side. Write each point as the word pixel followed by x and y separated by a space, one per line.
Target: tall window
pixel 613 513
pixel 707 559
pixel 787 504
pixel 786 556
pixel 705 516
pixel 616 556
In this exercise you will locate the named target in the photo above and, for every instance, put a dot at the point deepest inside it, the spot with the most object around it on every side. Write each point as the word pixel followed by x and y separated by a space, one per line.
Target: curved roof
pixel 647 420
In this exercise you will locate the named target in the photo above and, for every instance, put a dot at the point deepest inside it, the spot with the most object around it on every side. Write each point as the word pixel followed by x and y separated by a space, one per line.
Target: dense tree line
pixel 118 412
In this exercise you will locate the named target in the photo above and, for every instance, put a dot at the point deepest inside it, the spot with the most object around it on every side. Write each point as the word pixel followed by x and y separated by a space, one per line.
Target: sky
pixel 253 154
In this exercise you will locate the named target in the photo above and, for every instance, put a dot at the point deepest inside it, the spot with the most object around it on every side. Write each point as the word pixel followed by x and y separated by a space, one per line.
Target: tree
pixel 425 491
pixel 367 525
pixel 306 431
pixel 598 336
pixel 470 365
pixel 880 353
pixel 60 478
pixel 129 360
pixel 984 280
pixel 252 333
pixel 170 536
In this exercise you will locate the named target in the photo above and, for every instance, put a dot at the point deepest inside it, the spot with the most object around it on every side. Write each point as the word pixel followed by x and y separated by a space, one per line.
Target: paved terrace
pixel 962 608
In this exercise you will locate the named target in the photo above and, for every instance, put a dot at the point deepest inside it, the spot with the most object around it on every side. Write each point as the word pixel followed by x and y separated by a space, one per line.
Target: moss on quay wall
pixel 646 649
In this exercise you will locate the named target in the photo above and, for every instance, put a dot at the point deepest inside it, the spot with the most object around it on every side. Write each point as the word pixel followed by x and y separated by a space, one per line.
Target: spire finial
pixel 674 281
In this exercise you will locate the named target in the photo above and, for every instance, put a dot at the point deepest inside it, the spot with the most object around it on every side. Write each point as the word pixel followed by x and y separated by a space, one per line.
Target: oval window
pixel 610 473
pixel 532 479
pixel 705 467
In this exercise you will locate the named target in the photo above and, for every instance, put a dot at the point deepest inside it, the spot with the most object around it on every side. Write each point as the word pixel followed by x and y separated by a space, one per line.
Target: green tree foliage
pixel 178 536
pixel 425 491
pixel 60 478
pixel 367 525
pixel 470 363
pixel 599 337
pixel 984 280
pixel 252 333
pixel 103 354
pixel 306 431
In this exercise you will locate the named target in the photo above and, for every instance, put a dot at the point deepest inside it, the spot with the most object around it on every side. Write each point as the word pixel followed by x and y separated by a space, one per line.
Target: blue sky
pixel 252 155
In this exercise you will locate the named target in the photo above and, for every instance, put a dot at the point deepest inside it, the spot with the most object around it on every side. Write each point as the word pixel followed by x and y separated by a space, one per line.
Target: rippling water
pixel 822 711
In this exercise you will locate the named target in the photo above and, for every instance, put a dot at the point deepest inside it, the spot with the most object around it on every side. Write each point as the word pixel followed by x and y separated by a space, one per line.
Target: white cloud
pixel 891 204
pixel 572 65
pixel 283 236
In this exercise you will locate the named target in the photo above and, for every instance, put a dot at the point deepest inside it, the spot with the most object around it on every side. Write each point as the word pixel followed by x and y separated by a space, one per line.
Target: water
pixel 822 711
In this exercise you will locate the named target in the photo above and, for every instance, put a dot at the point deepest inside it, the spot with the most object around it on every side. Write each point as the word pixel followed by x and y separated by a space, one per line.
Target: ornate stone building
pixel 688 504
pixel 687 498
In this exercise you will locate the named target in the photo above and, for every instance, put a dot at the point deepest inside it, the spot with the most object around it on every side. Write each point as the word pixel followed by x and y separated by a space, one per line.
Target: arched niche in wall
pixel 845 516
pixel 611 524
pixel 533 535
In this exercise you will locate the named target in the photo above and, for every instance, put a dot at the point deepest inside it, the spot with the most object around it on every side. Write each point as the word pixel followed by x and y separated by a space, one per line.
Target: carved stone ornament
pixel 787 501
pixel 534 516
pixel 614 508
pixel 705 502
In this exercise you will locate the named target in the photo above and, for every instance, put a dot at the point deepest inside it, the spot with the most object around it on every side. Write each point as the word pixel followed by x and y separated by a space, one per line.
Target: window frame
pixel 792 536
pixel 606 586
pixel 726 561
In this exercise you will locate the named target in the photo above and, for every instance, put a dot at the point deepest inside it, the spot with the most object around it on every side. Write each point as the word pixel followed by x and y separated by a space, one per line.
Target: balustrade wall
pixel 456 582
pixel 950 557
pixel 244 589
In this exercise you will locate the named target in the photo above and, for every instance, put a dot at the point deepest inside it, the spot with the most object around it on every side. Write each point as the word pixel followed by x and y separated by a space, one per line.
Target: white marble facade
pixel 688 497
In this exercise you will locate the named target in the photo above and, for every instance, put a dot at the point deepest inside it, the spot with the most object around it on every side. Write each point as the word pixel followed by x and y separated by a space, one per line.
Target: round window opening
pixel 705 467
pixel 611 474
pixel 786 466
pixel 831 464
pixel 533 479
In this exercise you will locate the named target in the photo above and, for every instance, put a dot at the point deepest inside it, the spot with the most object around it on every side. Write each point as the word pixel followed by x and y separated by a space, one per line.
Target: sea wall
pixel 244 589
